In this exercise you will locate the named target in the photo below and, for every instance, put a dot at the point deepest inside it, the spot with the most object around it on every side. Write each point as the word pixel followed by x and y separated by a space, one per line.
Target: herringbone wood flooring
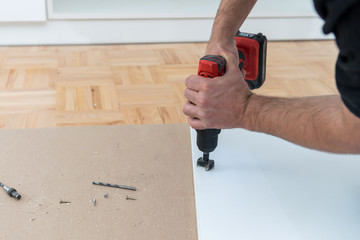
pixel 135 84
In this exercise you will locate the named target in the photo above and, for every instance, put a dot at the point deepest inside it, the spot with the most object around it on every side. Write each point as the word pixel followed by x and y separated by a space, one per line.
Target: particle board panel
pixel 263 187
pixel 46 165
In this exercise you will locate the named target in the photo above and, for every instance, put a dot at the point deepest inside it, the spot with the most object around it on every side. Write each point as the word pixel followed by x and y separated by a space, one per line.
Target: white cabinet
pixel 285 20
pixel 146 21
pixel 185 20
pixel 283 9
pixel 173 9
pixel 22 11
pixel 135 9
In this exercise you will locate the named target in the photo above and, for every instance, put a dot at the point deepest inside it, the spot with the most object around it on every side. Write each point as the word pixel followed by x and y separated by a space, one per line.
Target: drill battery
pixel 252 57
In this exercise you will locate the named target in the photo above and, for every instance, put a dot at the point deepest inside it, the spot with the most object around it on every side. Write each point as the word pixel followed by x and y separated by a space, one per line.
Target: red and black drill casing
pixel 252 58
pixel 211 66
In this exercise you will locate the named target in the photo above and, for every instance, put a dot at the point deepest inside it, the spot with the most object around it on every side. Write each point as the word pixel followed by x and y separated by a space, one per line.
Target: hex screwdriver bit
pixel 11 191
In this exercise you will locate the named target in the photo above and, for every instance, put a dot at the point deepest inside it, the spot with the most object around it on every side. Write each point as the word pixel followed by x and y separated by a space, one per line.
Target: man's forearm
pixel 320 122
pixel 229 18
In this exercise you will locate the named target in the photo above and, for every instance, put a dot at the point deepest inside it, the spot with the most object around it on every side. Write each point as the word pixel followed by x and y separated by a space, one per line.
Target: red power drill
pixel 252 57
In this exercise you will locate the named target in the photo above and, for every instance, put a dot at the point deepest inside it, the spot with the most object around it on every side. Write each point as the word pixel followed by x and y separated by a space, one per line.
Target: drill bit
pixel 11 191
pixel 114 185
pixel 206 157
pixel 206 162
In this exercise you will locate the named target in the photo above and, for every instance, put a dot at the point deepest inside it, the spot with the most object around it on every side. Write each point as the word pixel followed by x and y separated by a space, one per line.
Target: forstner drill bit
pixel 11 191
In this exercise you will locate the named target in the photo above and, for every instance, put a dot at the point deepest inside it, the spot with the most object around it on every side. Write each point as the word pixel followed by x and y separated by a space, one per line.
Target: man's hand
pixel 222 47
pixel 321 122
pixel 218 102
pixel 221 102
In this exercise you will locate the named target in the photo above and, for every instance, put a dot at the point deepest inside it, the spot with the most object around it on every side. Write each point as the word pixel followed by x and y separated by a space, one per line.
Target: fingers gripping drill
pixel 252 58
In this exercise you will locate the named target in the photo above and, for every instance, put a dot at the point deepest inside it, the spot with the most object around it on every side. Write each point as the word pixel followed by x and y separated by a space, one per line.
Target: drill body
pixel 252 57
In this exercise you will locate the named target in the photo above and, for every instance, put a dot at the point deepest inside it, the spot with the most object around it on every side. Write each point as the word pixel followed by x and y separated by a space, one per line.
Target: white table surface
pixel 265 188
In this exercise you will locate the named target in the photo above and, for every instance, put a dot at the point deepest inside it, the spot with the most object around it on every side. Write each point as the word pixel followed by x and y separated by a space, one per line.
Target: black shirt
pixel 342 17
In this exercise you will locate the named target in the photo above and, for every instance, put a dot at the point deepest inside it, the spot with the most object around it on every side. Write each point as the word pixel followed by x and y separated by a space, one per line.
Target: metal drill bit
pixel 11 191
pixel 205 162
pixel 206 157
pixel 114 186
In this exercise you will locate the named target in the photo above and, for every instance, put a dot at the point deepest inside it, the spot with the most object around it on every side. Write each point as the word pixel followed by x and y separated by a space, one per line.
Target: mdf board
pixel 46 165
pixel 22 11
pixel 263 187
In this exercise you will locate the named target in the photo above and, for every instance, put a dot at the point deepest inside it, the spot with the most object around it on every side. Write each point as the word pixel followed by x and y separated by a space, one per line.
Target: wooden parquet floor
pixel 50 86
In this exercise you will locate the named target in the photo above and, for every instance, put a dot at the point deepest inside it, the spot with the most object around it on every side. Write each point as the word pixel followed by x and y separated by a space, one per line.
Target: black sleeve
pixel 342 17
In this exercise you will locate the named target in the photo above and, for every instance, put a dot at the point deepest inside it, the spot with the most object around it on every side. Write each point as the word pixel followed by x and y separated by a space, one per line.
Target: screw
pixel 130 198
pixel 62 201
pixel 94 202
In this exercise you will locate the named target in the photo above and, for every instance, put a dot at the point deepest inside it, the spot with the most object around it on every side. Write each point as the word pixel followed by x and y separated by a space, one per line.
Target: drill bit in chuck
pixel 11 191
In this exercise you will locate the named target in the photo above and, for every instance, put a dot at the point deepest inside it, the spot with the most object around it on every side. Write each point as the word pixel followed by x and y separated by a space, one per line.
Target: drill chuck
pixel 207 139
pixel 207 142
